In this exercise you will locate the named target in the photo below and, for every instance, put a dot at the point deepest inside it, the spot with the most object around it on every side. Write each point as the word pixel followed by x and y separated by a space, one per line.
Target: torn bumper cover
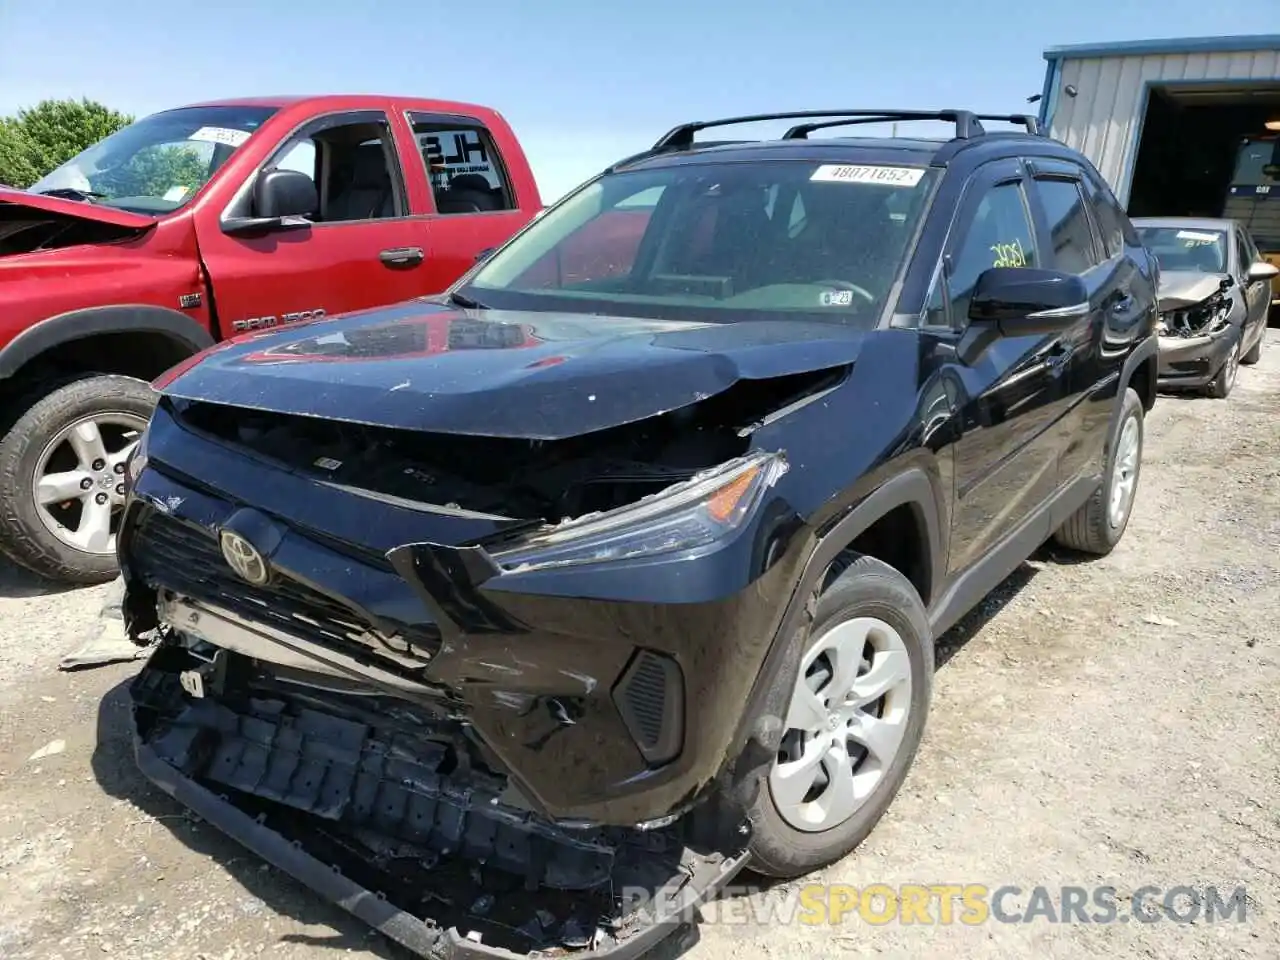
pixel 1195 340
pixel 454 731
pixel 220 764
pixel 366 817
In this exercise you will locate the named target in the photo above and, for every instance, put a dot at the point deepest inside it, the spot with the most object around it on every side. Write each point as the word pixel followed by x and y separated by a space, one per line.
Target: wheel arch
pixel 172 334
pixel 909 493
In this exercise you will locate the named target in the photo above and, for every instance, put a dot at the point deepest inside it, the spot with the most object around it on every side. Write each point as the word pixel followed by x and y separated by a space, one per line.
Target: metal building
pixel 1166 121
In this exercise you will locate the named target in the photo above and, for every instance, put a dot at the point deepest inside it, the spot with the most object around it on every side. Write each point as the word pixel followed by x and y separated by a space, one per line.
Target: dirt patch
pixel 1103 723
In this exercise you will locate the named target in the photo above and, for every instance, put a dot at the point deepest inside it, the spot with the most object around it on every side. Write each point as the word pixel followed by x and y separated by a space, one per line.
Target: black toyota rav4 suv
pixel 618 567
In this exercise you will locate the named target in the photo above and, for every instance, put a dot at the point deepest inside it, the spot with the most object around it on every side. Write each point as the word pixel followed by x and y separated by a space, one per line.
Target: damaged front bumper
pixel 1193 362
pixel 369 817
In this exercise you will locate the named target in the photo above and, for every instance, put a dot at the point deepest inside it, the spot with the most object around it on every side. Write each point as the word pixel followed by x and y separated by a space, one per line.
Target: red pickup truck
pixel 193 225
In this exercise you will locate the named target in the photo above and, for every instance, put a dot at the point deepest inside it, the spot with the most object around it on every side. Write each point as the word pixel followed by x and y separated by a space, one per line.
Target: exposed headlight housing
pixel 685 516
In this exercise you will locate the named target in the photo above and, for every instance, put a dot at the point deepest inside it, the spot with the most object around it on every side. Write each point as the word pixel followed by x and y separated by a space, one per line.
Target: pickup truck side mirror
pixel 1260 270
pixel 1027 300
pixel 284 193
pixel 282 200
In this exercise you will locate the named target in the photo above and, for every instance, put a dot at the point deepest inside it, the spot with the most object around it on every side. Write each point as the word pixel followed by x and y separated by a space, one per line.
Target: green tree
pixel 153 171
pixel 37 139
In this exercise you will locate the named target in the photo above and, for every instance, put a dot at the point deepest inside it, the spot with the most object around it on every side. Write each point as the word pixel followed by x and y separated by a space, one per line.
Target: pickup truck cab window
pixel 463 165
pixel 353 165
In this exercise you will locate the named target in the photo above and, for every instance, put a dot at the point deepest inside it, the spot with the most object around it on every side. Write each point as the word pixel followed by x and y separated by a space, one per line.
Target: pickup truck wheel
pixel 856 713
pixel 62 477
pixel 1097 526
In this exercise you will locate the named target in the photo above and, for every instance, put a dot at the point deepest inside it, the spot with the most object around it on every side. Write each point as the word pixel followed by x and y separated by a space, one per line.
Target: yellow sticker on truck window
pixel 882 176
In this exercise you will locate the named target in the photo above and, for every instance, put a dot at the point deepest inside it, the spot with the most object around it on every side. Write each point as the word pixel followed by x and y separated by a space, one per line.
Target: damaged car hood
pixel 10 199
pixel 1184 288
pixel 424 366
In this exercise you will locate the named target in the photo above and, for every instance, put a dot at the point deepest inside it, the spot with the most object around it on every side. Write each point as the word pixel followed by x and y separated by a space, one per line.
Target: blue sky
pixel 582 83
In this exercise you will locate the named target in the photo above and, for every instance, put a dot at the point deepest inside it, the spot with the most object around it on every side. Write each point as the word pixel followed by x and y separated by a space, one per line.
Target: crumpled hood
pixel 1184 288
pixel 75 209
pixel 424 366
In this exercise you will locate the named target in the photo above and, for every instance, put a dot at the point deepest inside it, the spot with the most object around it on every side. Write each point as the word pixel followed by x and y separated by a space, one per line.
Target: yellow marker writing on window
pixel 1009 254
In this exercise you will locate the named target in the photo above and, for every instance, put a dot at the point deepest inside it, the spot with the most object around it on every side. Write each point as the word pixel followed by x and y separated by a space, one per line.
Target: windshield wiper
pixel 461 300
pixel 71 193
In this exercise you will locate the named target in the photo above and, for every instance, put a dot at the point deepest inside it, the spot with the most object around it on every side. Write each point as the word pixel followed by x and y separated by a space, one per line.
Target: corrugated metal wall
pixel 1102 120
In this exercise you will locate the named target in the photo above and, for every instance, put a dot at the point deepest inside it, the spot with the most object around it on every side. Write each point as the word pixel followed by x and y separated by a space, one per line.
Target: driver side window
pixel 999 235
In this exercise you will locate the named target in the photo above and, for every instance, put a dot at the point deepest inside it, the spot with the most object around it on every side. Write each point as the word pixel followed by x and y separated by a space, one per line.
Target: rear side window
pixel 463 164
pixel 1111 219
pixel 999 235
pixel 1071 235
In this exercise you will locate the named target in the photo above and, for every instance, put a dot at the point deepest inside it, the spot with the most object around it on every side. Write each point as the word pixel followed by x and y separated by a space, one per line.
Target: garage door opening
pixel 1192 147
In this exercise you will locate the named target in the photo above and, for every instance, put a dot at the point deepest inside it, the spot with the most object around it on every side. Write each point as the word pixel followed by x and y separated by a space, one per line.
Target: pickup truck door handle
pixel 402 256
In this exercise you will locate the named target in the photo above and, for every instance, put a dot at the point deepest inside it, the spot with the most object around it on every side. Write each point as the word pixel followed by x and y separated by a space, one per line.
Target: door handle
pixel 402 256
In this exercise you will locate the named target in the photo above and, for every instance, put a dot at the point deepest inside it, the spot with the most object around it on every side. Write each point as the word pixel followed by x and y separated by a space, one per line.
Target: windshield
pixel 158 163
pixel 716 242
pixel 1258 163
pixel 1180 248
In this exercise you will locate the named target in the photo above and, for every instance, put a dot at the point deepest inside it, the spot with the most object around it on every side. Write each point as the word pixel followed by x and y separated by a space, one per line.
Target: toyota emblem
pixel 243 558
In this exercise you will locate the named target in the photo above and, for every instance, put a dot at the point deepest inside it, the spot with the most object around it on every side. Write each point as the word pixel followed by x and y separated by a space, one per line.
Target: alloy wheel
pixel 845 724
pixel 1124 477
pixel 79 483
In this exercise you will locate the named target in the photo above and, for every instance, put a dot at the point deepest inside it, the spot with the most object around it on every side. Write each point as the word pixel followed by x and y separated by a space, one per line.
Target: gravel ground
pixel 1104 723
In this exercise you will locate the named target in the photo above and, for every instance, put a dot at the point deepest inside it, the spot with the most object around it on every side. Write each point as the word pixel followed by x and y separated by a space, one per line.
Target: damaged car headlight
pixel 691 514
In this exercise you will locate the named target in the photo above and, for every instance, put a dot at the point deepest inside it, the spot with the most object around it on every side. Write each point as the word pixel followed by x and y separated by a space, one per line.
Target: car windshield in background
pixel 717 242
pixel 1187 248
pixel 158 163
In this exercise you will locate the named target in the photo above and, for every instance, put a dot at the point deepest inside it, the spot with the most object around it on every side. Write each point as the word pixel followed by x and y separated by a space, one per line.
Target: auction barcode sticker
pixel 223 135
pixel 886 176
pixel 1198 236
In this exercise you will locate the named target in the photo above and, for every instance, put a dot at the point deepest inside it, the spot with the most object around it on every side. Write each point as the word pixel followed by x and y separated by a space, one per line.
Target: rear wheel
pixel 1099 524
pixel 856 714
pixel 62 477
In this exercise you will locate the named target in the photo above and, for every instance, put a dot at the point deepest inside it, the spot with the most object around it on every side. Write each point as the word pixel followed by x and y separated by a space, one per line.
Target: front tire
pixel 856 713
pixel 1220 389
pixel 61 477
pixel 1099 524
pixel 1255 352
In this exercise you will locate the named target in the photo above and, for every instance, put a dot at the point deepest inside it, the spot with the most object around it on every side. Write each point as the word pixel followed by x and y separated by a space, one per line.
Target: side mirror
pixel 1028 300
pixel 1260 270
pixel 282 199
pixel 284 193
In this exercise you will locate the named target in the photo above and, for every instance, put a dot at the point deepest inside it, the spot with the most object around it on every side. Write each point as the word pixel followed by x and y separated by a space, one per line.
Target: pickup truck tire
pixel 102 414
pixel 1097 526
pixel 869 638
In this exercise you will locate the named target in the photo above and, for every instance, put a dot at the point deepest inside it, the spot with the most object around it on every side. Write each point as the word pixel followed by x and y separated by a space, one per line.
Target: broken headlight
pixel 691 514
pixel 1196 321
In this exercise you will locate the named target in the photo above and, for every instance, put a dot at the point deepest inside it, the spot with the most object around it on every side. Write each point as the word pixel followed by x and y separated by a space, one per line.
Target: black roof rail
pixel 1021 119
pixel 801 131
pixel 681 137
pixel 653 152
